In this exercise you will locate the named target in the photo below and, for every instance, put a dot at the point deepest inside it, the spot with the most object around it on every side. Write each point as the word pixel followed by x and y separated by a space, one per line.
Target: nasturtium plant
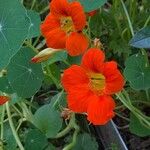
pixel 24 77
pixel 14 27
pixel 68 67
pixel 58 56
pixel 35 22
pixel 141 39
pixel 5 85
pixel 136 127
pixel 85 142
pixel 137 72
pixel 90 5
pixel 35 139
pixel 48 120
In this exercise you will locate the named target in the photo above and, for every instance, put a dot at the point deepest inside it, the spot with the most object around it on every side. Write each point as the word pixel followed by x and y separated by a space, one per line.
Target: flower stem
pixel 128 18
pixel 2 119
pixel 13 128
pixel 74 139
pixel 134 110
pixel 67 129
pixel 49 73
pixel 147 95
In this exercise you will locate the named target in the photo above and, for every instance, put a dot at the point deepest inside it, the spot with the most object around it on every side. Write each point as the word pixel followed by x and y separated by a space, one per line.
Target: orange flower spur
pixel 90 85
pixel 63 27
pixel 3 99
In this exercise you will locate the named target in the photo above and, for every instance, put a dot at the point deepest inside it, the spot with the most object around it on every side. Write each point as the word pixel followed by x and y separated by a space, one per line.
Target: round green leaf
pixel 48 120
pixel 35 140
pixel 136 127
pixel 9 138
pixel 14 26
pixel 137 72
pixel 34 24
pixel 90 5
pixel 141 39
pixel 85 142
pixel 5 85
pixel 24 76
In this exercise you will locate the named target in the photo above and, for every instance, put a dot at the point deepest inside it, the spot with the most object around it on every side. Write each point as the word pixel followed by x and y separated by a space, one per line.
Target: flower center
pixel 67 24
pixel 97 82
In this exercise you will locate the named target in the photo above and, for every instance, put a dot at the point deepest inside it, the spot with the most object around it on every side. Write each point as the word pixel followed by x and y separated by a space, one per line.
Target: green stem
pixel 44 10
pixel 134 110
pixel 31 46
pixel 147 95
pixel 26 112
pixel 128 17
pixel 74 139
pixel 13 128
pixel 52 77
pixel 67 129
pixel 2 120
pixel 33 3
pixel 58 98
pixel 147 21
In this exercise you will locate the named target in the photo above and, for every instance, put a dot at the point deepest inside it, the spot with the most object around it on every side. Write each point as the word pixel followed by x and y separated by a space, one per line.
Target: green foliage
pixel 96 24
pixel 58 101
pixel 85 142
pixel 34 29
pixel 141 39
pixel 58 56
pixel 48 120
pixel 136 127
pixel 5 85
pixel 9 138
pixel 14 26
pixel 35 140
pixel 90 5
pixel 25 77
pixel 137 72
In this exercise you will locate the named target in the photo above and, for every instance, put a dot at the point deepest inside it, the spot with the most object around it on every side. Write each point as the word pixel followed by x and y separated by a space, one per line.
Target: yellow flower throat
pixel 97 82
pixel 67 24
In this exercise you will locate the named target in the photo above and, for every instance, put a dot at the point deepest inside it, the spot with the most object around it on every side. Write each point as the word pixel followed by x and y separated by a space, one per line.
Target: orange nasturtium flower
pixel 3 99
pixel 63 27
pixel 90 85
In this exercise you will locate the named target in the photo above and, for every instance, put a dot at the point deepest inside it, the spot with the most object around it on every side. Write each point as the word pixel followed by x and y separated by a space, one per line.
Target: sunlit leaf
pixel 141 39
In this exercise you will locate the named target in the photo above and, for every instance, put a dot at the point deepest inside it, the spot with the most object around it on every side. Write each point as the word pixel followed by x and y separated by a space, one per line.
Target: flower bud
pixel 44 55
pixel 3 99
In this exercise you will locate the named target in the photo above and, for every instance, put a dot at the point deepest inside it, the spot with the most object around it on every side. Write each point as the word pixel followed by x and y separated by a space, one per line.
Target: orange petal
pixel 3 99
pixel 76 44
pixel 93 60
pixel 100 110
pixel 50 23
pixel 74 77
pixel 78 99
pixel 59 7
pixel 78 16
pixel 114 79
pixel 56 39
